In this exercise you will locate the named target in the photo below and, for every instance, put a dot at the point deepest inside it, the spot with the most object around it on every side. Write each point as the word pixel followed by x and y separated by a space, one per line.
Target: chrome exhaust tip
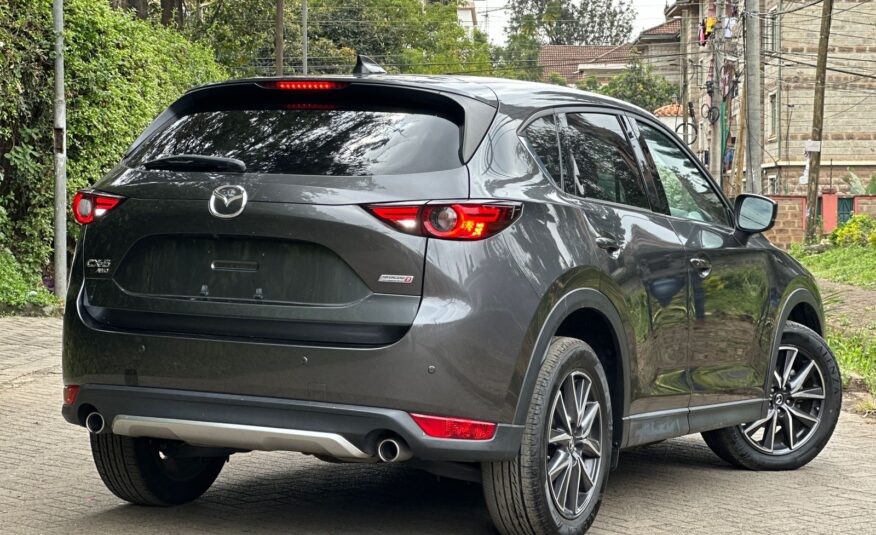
pixel 94 422
pixel 390 450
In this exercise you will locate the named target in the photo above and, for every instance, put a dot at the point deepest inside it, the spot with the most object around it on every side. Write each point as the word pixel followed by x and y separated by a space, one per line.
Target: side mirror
pixel 754 214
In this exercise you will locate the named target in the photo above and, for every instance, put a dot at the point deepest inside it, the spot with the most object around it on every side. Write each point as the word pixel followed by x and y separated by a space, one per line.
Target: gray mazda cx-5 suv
pixel 498 280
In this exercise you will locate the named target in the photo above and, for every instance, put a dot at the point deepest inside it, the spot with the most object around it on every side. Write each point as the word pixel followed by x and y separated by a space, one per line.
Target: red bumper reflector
pixel 70 393
pixel 458 428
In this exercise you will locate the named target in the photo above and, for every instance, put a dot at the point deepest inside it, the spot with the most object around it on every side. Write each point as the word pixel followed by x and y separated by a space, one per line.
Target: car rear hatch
pixel 283 251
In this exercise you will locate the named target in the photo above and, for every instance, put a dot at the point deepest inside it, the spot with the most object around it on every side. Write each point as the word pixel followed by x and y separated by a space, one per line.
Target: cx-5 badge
pixel 231 201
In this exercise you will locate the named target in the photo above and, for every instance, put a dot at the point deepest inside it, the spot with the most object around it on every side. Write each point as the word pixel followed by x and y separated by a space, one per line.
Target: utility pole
pixel 60 142
pixel 813 149
pixel 279 31
pixel 304 34
pixel 739 154
pixel 754 103
pixel 716 156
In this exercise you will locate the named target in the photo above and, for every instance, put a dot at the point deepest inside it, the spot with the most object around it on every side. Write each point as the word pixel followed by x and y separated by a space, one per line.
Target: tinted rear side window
pixel 544 141
pixel 601 164
pixel 343 142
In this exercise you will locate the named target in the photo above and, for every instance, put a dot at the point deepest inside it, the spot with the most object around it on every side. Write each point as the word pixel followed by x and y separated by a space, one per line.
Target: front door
pixel 728 281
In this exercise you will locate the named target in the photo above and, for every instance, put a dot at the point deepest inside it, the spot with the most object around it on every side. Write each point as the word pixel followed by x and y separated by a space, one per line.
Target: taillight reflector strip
pixel 456 428
pixel 304 85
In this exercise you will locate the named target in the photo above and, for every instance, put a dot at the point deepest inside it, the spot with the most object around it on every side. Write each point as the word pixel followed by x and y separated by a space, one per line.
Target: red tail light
pixel 88 206
pixel 304 85
pixel 456 221
pixel 70 393
pixel 458 428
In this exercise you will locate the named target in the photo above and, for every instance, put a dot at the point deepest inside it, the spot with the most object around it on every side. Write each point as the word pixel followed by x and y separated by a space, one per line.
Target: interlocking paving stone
pixel 48 483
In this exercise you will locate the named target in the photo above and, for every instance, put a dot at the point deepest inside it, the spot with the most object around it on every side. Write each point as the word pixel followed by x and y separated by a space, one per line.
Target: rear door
pixel 643 257
pixel 285 250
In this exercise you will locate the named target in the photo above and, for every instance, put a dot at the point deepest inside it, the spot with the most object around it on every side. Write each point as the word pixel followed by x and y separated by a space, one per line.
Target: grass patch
pixel 866 406
pixel 851 265
pixel 855 352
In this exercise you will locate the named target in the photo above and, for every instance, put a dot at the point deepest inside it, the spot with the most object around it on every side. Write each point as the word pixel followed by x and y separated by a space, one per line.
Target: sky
pixel 492 19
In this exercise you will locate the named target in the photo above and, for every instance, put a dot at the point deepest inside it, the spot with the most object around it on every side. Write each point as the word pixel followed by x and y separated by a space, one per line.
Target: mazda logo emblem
pixel 227 202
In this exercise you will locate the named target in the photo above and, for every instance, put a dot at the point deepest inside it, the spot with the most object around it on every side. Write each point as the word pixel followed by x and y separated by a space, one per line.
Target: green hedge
pixel 121 73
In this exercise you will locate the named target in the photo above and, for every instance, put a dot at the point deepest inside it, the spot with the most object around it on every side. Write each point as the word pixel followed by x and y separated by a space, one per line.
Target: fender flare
pixel 796 297
pixel 583 298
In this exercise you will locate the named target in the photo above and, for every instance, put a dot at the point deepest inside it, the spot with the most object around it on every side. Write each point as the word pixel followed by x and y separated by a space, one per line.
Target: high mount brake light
pixel 458 428
pixel 449 221
pixel 88 205
pixel 304 85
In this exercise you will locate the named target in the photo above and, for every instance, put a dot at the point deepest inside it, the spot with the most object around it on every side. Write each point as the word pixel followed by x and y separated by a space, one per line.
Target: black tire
pixel 134 471
pixel 731 445
pixel 517 493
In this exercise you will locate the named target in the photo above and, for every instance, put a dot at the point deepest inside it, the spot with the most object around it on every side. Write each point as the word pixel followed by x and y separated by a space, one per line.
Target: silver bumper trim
pixel 248 437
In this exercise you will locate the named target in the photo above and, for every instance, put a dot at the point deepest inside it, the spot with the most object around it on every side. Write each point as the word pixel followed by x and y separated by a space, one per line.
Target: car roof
pixel 516 98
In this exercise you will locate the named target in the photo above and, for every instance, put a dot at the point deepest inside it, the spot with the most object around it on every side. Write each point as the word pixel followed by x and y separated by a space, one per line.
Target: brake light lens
pixel 89 205
pixel 452 221
pixel 457 428
pixel 70 393
pixel 304 85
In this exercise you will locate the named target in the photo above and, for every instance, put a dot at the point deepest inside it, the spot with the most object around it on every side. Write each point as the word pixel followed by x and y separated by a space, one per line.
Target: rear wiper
pixel 196 162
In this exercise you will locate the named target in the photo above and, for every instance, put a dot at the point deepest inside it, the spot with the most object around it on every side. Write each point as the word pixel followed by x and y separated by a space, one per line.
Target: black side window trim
pixel 672 137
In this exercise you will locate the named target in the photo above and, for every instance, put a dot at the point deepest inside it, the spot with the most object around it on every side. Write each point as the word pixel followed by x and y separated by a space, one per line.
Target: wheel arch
pixel 801 305
pixel 588 315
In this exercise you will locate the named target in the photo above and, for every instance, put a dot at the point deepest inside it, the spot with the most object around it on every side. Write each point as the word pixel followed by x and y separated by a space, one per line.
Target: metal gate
pixel 845 209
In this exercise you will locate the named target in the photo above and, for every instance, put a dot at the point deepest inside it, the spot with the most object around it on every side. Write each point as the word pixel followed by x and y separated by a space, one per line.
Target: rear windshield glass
pixel 313 141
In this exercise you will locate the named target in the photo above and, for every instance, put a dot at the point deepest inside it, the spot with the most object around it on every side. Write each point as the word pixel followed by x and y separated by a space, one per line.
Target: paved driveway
pixel 48 483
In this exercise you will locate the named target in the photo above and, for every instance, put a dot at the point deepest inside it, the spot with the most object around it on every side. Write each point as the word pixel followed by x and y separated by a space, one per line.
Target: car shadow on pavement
pixel 280 492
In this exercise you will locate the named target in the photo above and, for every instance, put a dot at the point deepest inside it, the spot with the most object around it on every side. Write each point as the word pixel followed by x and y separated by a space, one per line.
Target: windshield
pixel 327 141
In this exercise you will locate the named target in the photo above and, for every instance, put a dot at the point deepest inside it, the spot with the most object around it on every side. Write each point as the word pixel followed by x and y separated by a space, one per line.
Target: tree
pixel 640 86
pixel 518 58
pixel 573 22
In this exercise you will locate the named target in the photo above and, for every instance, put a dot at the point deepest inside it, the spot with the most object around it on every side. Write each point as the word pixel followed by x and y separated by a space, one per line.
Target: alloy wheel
pixel 574 452
pixel 797 395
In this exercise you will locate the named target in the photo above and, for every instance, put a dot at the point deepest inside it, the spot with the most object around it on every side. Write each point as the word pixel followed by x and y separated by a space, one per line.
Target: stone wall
pixel 865 206
pixel 790 225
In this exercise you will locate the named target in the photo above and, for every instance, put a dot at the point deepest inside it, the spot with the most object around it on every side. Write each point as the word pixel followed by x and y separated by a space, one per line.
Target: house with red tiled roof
pixel 577 62
pixel 660 47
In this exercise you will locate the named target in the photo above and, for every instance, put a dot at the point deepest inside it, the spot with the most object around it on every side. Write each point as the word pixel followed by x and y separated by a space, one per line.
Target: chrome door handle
pixel 703 266
pixel 609 244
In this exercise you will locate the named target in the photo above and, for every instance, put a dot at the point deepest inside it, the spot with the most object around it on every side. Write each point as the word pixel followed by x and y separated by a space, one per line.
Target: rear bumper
pixel 259 423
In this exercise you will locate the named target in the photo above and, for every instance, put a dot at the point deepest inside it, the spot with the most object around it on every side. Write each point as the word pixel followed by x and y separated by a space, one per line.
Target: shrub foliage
pixel 121 72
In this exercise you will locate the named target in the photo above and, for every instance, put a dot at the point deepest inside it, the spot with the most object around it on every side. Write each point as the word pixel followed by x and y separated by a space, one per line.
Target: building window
pixel 773 126
pixel 770 31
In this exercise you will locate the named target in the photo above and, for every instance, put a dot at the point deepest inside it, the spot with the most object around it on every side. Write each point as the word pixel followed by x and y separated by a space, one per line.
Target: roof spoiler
pixel 366 65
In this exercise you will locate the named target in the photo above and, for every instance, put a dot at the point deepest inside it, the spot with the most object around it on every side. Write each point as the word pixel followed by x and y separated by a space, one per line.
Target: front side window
pixel 598 161
pixel 541 135
pixel 687 190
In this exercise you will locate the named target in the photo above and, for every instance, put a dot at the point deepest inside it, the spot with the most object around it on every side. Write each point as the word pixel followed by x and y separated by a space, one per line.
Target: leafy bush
pixel 121 73
pixel 858 230
pixel 15 290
